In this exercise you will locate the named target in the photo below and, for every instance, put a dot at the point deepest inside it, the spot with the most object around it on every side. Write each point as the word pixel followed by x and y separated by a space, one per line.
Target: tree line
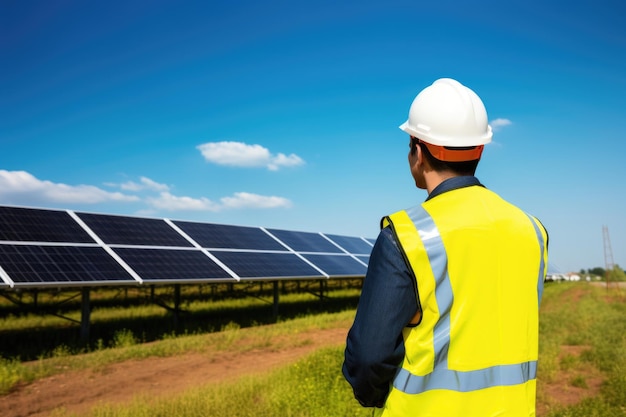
pixel 615 274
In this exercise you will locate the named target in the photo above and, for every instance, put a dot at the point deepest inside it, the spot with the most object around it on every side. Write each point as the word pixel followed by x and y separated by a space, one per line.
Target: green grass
pixel 126 347
pixel 578 314
pixel 572 314
pixel 312 387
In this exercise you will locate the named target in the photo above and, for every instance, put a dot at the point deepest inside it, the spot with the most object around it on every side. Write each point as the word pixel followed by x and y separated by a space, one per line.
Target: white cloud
pixel 167 201
pixel 22 187
pixel 497 124
pixel 239 154
pixel 249 200
pixel 284 160
pixel 241 200
pixel 145 183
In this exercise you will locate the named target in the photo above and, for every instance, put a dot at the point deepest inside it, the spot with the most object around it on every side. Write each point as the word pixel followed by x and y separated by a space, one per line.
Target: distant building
pixel 557 276
pixel 573 276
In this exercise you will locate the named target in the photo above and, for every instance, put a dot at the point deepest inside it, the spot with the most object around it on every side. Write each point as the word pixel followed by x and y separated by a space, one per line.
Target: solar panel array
pixel 43 248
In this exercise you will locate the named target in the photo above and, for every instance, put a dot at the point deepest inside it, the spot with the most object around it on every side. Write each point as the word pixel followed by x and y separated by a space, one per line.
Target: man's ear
pixel 420 155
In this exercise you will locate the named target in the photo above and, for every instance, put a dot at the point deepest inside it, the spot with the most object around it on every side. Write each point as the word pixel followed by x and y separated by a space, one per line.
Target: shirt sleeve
pixel 374 347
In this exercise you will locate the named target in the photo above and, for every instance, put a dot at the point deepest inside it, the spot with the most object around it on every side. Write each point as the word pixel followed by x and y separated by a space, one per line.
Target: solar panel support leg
pixel 176 304
pixel 85 316
pixel 276 296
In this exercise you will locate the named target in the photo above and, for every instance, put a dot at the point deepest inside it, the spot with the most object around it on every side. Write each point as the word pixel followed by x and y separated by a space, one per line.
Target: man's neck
pixel 434 178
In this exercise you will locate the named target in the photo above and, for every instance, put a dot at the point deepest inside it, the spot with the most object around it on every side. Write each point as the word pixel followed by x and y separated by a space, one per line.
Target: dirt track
pixel 78 391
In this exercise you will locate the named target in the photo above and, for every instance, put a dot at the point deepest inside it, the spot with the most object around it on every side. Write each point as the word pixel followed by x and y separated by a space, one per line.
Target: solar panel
pixel 30 264
pixel 42 247
pixel 267 265
pixel 351 244
pixel 133 230
pixel 305 241
pixel 210 235
pixel 172 264
pixel 18 224
pixel 337 265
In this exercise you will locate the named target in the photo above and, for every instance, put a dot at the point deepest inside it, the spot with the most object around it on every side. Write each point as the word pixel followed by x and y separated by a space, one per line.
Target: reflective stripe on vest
pixel 542 265
pixel 442 377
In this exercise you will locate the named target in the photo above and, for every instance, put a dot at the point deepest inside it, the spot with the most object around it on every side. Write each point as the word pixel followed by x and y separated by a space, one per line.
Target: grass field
pixel 583 338
pixel 582 363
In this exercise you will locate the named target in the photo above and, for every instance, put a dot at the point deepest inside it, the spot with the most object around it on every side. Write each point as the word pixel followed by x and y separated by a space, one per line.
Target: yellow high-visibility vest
pixel 480 263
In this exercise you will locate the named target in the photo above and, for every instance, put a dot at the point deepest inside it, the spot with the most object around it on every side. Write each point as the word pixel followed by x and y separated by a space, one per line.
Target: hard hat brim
pixel 443 141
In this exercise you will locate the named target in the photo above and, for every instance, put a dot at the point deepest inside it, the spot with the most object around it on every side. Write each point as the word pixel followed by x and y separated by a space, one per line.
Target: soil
pixel 572 383
pixel 78 391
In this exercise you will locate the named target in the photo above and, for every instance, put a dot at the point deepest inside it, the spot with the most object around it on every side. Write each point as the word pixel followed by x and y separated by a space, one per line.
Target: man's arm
pixel 374 347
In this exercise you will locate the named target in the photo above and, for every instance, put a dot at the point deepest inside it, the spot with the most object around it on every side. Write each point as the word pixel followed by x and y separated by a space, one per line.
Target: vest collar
pixel 453 184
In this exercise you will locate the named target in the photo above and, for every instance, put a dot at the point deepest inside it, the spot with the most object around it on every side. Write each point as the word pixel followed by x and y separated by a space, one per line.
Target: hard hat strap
pixel 450 154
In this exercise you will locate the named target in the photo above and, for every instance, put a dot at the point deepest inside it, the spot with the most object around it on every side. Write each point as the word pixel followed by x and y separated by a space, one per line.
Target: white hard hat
pixel 449 114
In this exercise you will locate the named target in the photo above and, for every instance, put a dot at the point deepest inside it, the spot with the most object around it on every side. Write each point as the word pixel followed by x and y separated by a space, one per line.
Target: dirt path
pixel 78 391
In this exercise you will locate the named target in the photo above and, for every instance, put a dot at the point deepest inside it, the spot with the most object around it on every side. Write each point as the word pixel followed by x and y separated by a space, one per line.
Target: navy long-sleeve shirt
pixel 388 302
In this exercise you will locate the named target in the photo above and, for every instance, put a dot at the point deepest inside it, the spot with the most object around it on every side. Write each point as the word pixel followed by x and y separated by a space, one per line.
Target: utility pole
pixel 608 255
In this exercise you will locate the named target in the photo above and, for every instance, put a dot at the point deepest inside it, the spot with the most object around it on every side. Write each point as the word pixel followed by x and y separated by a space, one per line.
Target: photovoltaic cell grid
pixel 305 241
pixel 218 236
pixel 41 247
pixel 352 244
pixel 32 225
pixel 30 265
pixel 170 265
pixel 337 265
pixel 133 230
pixel 256 265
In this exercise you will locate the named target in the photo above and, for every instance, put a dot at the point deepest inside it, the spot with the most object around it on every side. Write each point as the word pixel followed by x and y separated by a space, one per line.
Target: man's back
pixel 478 264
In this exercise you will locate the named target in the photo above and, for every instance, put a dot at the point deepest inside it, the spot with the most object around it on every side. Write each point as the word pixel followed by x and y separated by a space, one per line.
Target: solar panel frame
pixel 364 259
pixel 6 279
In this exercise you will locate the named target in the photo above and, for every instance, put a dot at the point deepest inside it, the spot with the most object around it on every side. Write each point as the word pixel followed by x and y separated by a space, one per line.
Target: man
pixel 447 322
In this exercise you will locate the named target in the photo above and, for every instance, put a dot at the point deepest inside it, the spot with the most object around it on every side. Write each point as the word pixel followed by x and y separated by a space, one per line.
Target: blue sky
pixel 285 114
